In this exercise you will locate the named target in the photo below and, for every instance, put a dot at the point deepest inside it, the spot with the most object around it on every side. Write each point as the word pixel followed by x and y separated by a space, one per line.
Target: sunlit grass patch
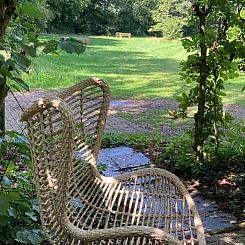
pixel 133 67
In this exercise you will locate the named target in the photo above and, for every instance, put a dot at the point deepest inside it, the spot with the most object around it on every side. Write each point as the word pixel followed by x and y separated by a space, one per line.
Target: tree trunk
pixel 7 9
pixel 2 120
pixel 3 94
pixel 200 115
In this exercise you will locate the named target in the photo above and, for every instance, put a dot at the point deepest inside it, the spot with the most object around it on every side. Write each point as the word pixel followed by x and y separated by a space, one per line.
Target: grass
pixel 134 68
pixel 157 118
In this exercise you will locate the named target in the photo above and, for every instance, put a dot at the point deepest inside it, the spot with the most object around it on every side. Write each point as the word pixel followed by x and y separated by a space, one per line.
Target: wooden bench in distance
pixel 123 34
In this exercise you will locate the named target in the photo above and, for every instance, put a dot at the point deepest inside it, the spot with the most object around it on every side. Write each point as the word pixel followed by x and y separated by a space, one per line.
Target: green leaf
pixel 5 71
pixel 6 180
pixel 243 89
pixel 4 55
pixel 31 10
pixel 13 212
pixel 21 83
pixel 14 86
pixel 22 236
pixel 221 93
pixel 22 61
pixel 4 219
pixel 31 36
pixel 32 215
pixel 71 45
pixel 50 47
pixel 36 236
pixel 4 204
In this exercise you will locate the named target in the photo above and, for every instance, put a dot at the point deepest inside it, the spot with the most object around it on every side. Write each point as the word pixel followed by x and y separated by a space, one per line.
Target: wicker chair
pixel 80 206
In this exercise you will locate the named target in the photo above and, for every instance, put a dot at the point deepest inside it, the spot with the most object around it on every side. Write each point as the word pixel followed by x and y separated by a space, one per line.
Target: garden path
pixel 17 102
pixel 115 123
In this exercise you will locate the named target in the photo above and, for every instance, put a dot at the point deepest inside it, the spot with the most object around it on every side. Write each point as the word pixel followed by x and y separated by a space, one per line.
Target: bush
pixel 179 157
pixel 19 217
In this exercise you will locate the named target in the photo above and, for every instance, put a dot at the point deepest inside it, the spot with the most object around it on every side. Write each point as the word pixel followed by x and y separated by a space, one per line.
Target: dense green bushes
pixel 19 217
pixel 100 17
pixel 140 17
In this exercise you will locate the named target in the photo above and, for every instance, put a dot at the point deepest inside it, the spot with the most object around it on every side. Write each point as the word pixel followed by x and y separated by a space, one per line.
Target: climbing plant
pixel 211 61
pixel 19 45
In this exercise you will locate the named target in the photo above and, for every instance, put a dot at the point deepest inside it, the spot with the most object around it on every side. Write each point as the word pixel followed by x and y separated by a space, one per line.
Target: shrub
pixel 19 218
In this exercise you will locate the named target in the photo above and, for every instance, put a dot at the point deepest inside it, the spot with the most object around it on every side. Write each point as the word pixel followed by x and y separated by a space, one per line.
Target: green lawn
pixel 134 68
pixel 156 118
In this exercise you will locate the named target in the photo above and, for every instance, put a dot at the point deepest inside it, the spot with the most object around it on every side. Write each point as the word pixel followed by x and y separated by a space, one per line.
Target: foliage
pixel 170 17
pixel 138 140
pixel 178 156
pixel 19 218
pixel 19 45
pixel 100 17
pixel 90 16
pixel 210 63
pixel 221 176
pixel 135 16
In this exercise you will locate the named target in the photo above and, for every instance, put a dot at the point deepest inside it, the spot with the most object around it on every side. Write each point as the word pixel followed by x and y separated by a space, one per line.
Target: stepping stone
pixel 120 160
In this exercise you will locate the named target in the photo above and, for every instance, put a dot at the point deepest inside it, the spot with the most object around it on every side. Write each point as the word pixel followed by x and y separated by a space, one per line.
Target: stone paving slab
pixel 121 160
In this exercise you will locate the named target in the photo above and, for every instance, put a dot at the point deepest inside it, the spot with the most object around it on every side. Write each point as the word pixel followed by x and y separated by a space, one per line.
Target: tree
pixel 89 16
pixel 170 16
pixel 19 44
pixel 135 16
pixel 101 16
pixel 211 62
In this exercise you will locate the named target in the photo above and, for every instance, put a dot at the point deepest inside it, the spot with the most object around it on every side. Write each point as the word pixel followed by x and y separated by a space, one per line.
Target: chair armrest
pixel 119 232
pixel 148 172
pixel 173 180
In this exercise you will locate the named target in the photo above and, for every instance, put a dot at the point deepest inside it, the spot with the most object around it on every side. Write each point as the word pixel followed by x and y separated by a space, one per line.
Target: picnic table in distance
pixel 123 34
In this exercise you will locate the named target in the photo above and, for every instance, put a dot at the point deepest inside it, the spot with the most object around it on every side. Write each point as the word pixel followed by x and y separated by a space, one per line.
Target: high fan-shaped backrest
pixel 51 132
pixel 89 102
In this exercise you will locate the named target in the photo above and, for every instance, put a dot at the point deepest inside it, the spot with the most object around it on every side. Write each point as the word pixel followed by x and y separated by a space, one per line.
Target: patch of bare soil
pixel 231 238
pixel 139 105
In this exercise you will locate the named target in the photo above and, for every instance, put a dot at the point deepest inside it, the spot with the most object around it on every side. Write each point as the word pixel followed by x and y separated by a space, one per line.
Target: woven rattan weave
pixel 80 206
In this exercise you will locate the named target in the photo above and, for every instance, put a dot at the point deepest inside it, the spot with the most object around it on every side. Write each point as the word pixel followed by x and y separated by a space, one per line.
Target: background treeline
pixel 165 18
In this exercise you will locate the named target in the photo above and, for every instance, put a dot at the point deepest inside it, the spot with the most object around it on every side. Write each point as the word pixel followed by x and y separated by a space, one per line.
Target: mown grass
pixel 156 119
pixel 134 68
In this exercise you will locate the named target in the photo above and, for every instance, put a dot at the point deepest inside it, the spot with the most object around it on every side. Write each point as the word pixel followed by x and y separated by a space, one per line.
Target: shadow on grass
pixel 100 41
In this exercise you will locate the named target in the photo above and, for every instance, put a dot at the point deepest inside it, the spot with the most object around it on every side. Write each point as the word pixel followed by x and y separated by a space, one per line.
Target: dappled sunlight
pixel 232 238
pixel 125 64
